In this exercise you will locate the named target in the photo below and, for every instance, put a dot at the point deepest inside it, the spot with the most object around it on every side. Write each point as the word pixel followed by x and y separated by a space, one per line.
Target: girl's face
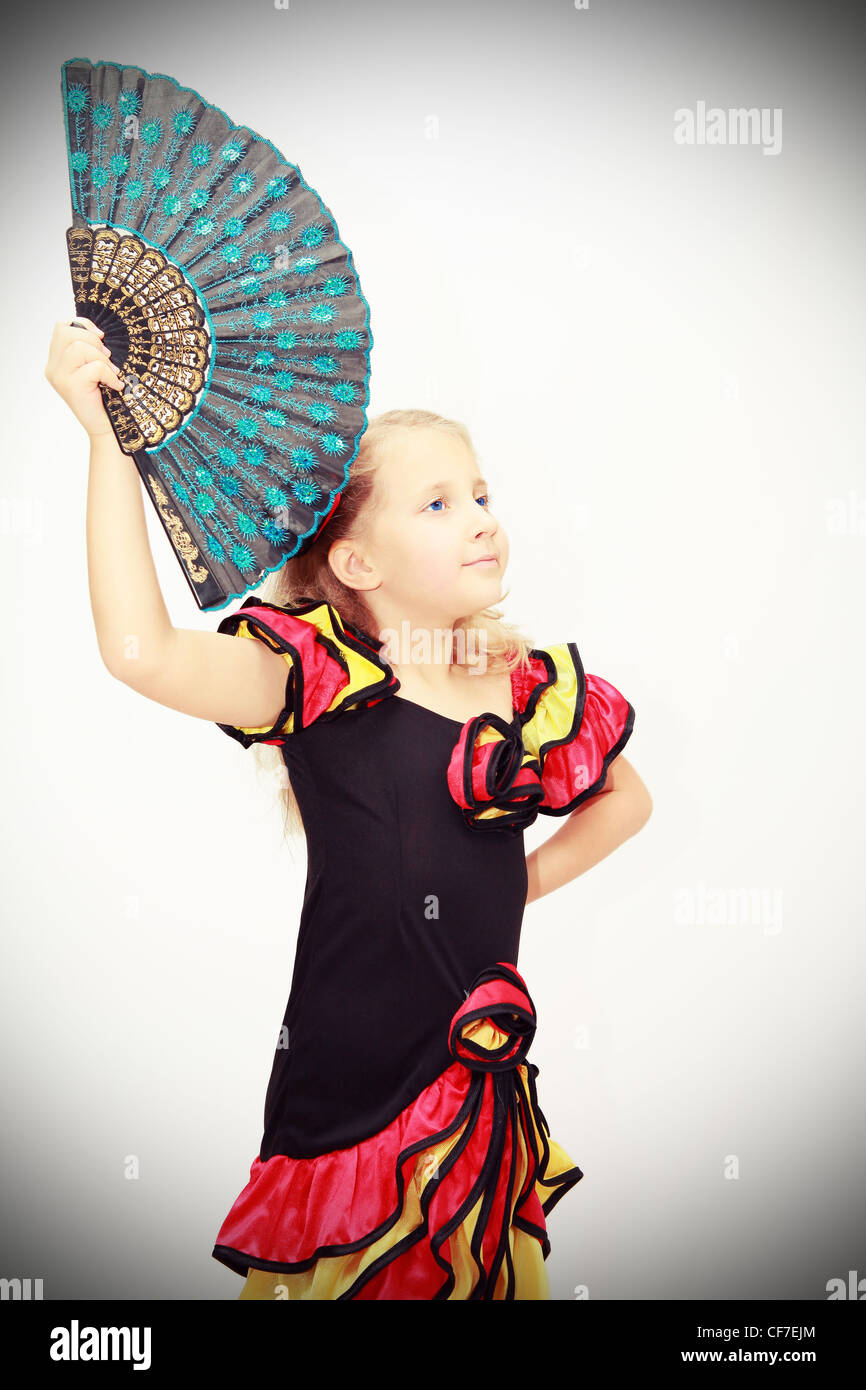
pixel 435 522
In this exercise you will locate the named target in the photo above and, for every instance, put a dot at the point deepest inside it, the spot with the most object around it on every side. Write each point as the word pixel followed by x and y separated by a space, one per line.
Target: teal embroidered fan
pixel 233 312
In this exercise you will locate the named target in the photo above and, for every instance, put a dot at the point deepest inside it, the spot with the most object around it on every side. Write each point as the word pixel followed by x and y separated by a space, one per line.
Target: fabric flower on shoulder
pixel 331 665
pixel 490 776
pixel 567 729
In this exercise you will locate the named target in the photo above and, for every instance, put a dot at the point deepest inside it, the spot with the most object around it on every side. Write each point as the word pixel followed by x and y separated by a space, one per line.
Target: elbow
pixel 114 657
pixel 643 809
pixel 128 672
pixel 637 797
pixel 634 802
pixel 134 665
pixel 119 668
pixel 634 807
pixel 111 667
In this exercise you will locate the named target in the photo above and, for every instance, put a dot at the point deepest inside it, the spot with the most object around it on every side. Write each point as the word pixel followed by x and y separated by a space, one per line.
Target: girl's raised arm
pixel 210 675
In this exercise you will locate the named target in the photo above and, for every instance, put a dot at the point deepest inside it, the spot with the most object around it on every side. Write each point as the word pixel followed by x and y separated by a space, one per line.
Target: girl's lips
pixel 482 562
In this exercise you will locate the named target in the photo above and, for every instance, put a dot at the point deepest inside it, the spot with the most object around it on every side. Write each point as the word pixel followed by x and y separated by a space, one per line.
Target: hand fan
pixel 233 313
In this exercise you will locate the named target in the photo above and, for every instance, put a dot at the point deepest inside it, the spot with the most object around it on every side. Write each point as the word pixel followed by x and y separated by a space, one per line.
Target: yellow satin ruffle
pixel 332 1275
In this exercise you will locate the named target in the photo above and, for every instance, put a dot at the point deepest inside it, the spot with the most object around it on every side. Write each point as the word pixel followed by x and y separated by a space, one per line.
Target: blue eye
pixel 485 496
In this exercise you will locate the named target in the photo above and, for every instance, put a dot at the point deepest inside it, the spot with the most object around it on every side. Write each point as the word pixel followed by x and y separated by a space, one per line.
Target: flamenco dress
pixel 404 1153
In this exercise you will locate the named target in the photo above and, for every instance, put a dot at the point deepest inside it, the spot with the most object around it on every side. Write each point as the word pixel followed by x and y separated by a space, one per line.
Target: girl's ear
pixel 349 564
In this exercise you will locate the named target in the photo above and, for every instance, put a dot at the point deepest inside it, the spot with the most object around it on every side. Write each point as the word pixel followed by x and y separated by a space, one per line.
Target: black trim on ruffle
pixel 352 637
pixel 518 812
pixel 507 1099
pixel 579 708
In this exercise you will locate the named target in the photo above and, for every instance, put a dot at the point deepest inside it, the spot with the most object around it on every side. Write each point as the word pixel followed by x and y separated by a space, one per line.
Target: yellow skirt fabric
pixel 332 1276
pixel 328 1278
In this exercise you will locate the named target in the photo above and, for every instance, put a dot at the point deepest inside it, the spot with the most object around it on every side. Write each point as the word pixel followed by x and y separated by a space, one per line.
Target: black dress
pixel 404 1154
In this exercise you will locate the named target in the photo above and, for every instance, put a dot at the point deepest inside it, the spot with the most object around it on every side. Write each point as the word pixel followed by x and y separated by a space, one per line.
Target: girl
pixel 404 1154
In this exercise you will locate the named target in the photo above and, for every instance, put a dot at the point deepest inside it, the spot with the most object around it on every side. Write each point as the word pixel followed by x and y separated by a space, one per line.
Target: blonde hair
pixel 310 576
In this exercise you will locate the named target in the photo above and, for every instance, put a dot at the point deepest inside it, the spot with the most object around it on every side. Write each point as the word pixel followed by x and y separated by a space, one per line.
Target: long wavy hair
pixel 309 576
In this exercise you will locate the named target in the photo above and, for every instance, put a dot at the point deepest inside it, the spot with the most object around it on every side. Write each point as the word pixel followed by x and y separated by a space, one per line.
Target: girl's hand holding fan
pixel 77 363
pixel 200 673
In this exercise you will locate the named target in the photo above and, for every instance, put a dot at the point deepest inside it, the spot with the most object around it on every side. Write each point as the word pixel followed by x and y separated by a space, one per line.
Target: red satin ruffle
pixel 487 1166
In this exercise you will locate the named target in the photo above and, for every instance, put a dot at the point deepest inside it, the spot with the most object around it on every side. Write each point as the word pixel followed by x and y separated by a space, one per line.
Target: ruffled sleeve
pixel 577 724
pixel 330 666
pixel 567 729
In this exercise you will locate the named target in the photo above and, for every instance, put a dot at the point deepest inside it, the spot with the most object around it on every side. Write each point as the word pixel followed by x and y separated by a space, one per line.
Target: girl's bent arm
pixel 211 675
pixel 591 832
pixel 132 624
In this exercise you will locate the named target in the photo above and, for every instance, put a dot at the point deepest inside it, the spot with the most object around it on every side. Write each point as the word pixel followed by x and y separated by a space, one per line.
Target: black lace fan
pixel 233 313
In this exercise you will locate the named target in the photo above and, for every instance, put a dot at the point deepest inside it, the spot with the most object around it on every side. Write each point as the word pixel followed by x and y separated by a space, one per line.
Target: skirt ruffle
pixel 446 1202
